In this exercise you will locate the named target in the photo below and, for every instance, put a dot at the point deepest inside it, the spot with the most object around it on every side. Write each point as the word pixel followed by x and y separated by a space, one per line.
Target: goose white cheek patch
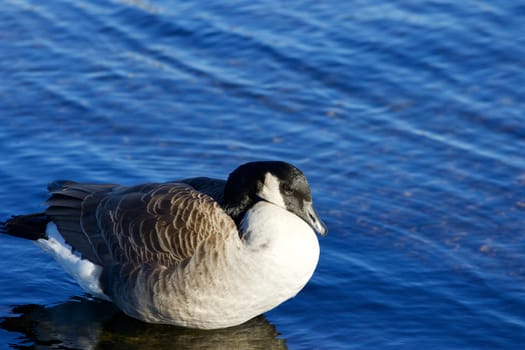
pixel 270 190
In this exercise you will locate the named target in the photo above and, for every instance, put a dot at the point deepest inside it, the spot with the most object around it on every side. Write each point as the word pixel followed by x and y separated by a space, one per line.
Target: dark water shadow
pixel 94 324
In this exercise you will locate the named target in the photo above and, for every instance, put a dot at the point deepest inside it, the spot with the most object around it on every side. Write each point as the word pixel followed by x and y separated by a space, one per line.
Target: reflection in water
pixel 94 324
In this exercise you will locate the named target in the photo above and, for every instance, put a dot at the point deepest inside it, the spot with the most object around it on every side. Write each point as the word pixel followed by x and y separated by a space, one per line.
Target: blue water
pixel 407 117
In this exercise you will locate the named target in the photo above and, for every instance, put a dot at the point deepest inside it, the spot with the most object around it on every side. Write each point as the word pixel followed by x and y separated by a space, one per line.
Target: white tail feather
pixel 83 271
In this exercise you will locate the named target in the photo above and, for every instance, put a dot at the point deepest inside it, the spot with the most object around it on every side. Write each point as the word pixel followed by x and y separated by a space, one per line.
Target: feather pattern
pixel 157 223
pixel 143 235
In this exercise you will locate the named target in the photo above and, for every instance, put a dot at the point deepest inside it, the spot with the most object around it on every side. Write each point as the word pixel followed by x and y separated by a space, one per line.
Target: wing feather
pixel 151 223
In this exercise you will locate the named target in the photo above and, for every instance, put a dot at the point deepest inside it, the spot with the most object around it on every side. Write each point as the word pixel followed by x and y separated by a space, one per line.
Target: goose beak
pixel 310 216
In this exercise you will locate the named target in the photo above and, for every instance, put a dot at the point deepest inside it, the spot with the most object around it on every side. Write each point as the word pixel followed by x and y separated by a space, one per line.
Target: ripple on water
pixel 406 118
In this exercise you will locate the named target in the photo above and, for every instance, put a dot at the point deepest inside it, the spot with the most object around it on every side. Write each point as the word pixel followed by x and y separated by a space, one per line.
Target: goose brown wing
pixel 154 223
pixel 212 187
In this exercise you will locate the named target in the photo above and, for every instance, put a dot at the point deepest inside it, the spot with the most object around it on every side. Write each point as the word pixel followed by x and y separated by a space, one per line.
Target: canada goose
pixel 200 252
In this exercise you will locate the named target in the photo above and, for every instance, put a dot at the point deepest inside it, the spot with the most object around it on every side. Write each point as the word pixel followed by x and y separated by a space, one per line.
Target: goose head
pixel 276 182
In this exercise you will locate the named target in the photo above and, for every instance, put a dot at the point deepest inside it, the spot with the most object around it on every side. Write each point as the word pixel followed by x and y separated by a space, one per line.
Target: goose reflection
pixel 95 324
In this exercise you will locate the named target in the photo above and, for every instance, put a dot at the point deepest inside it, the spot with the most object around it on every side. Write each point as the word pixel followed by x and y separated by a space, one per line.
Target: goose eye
pixel 287 190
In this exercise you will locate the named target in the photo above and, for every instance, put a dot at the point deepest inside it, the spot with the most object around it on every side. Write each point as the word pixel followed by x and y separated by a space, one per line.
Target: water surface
pixel 407 117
